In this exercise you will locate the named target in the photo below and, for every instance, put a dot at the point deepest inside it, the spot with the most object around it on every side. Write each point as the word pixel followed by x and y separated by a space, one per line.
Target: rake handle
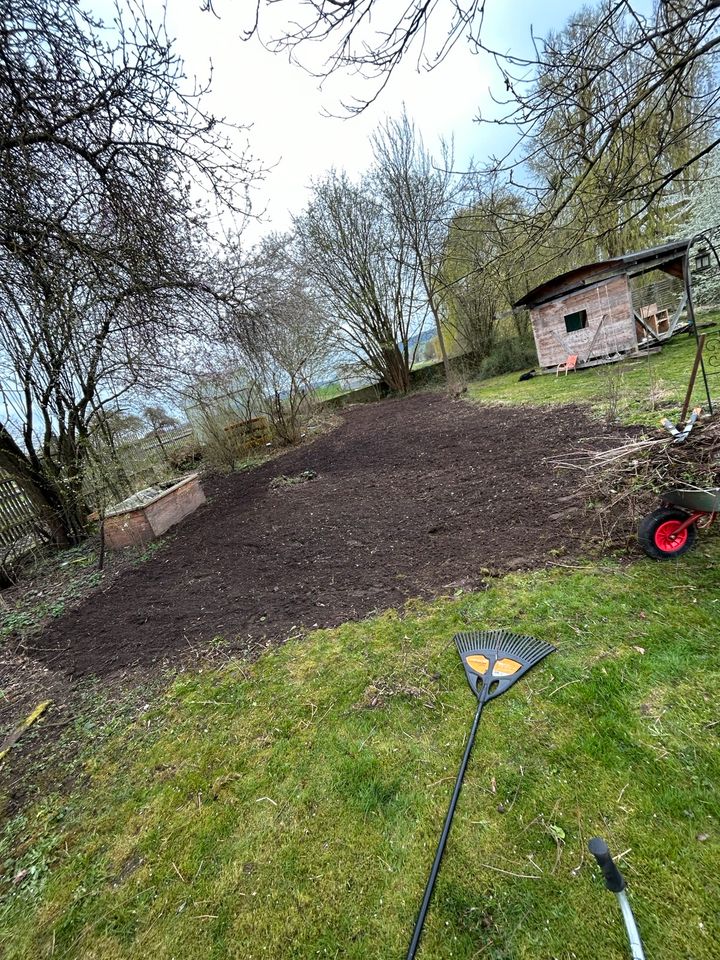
pixel 419 923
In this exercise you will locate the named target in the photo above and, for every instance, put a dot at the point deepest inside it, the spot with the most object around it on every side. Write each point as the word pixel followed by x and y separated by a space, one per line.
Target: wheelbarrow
pixel 671 530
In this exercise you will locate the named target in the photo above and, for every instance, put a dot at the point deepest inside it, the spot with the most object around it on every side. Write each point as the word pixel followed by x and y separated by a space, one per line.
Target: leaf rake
pixel 493 661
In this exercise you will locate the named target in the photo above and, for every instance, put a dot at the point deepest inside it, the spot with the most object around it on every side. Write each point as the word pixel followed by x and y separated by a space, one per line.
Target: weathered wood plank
pixel 610 324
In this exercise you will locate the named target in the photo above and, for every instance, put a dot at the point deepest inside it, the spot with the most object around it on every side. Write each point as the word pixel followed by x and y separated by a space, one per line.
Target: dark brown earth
pixel 412 497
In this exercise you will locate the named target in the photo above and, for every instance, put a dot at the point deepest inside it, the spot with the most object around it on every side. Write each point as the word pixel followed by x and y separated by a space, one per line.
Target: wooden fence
pixel 135 462
pixel 138 462
pixel 17 516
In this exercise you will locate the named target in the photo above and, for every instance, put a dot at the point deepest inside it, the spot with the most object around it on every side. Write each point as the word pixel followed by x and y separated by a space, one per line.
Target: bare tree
pixel 280 332
pixel 364 38
pixel 102 251
pixel 359 261
pixel 158 417
pixel 490 262
pixel 609 118
pixel 422 196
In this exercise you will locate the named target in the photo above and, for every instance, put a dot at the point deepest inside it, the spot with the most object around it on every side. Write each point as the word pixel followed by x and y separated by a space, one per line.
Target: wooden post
pixel 691 317
pixel 693 376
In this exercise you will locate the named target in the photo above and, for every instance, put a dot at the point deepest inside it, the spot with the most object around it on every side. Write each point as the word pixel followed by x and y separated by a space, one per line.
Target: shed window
pixel 702 260
pixel 576 321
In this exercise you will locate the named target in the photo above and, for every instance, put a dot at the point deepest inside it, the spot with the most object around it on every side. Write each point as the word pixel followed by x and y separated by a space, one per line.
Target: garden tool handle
pixel 430 886
pixel 614 880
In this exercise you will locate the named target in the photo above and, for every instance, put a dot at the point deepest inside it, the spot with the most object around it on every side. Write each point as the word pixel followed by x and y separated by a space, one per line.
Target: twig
pixel 567 684
pixel 510 873
pixel 576 870
pixel 367 738
pixel 584 566
pixel 442 780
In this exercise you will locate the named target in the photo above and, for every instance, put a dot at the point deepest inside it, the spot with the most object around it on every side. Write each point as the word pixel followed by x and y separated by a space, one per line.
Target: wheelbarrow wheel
pixel 658 536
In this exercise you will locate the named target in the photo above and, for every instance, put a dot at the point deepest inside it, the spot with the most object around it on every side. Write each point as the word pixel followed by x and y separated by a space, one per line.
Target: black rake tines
pixel 493 661
pixel 508 655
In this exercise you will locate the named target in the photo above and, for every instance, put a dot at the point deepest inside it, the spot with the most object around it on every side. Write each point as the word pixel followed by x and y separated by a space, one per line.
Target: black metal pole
pixel 417 932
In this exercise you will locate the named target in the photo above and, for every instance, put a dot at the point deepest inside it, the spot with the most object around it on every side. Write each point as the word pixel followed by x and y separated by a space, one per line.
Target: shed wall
pixel 610 300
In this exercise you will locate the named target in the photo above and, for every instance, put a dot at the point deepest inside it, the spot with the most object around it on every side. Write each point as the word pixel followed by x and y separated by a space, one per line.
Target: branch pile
pixel 623 483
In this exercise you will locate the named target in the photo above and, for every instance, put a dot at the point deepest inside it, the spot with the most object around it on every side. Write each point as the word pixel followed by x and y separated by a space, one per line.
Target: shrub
pixel 508 355
pixel 185 456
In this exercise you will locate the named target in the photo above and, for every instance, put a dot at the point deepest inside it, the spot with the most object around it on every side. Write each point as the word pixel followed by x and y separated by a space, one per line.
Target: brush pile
pixel 622 484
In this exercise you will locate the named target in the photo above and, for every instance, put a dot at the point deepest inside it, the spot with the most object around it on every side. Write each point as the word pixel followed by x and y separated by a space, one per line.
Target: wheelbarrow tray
pixel 705 501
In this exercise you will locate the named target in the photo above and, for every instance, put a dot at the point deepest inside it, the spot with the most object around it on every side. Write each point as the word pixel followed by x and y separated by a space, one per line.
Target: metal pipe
pixel 691 315
pixel 615 882
pixel 638 953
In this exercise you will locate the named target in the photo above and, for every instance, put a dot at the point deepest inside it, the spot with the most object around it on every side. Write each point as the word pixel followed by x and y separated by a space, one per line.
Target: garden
pixel 259 722
pixel 334 461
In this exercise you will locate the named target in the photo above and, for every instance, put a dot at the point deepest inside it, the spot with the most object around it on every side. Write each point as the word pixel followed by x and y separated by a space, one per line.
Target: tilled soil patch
pixel 411 497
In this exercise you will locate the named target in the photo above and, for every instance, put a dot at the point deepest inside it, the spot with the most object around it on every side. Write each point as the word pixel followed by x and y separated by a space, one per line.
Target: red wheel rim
pixel 668 539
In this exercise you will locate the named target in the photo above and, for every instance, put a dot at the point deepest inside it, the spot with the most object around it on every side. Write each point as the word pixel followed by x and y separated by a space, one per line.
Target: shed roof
pixel 668 257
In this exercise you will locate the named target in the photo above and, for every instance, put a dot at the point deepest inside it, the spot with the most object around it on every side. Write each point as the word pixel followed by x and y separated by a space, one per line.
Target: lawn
pixel 290 807
pixel 328 390
pixel 640 390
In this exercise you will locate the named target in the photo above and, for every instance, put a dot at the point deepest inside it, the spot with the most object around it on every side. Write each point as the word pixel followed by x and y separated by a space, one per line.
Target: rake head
pixel 495 659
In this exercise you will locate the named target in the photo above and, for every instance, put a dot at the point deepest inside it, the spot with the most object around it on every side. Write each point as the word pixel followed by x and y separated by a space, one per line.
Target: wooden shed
pixel 607 310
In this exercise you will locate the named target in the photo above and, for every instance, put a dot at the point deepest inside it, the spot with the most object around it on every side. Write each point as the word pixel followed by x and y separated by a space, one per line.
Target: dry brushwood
pixel 621 484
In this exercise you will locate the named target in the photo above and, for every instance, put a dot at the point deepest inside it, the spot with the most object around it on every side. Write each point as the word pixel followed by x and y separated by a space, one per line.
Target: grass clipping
pixel 622 484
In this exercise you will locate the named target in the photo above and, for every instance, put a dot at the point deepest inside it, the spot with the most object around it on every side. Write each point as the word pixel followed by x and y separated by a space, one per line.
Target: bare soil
pixel 412 497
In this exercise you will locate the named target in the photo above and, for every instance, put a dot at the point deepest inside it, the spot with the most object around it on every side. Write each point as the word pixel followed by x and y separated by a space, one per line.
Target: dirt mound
pixel 412 497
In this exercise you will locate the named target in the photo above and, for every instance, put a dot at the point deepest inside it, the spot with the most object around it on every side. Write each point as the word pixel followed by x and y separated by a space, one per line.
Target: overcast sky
pixel 285 105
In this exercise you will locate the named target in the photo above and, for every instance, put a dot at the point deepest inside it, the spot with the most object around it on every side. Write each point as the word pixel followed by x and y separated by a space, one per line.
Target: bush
pixel 507 356
pixel 186 456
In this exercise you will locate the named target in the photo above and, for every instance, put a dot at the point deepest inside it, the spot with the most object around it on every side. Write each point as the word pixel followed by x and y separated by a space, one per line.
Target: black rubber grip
pixel 614 880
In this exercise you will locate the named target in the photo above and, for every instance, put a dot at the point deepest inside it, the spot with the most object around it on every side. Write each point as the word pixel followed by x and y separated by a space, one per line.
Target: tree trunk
pixel 397 373
pixel 439 331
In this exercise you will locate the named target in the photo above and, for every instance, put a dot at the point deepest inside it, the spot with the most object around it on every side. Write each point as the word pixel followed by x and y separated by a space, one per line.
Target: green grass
pixel 328 390
pixel 267 810
pixel 264 811
pixel 640 390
